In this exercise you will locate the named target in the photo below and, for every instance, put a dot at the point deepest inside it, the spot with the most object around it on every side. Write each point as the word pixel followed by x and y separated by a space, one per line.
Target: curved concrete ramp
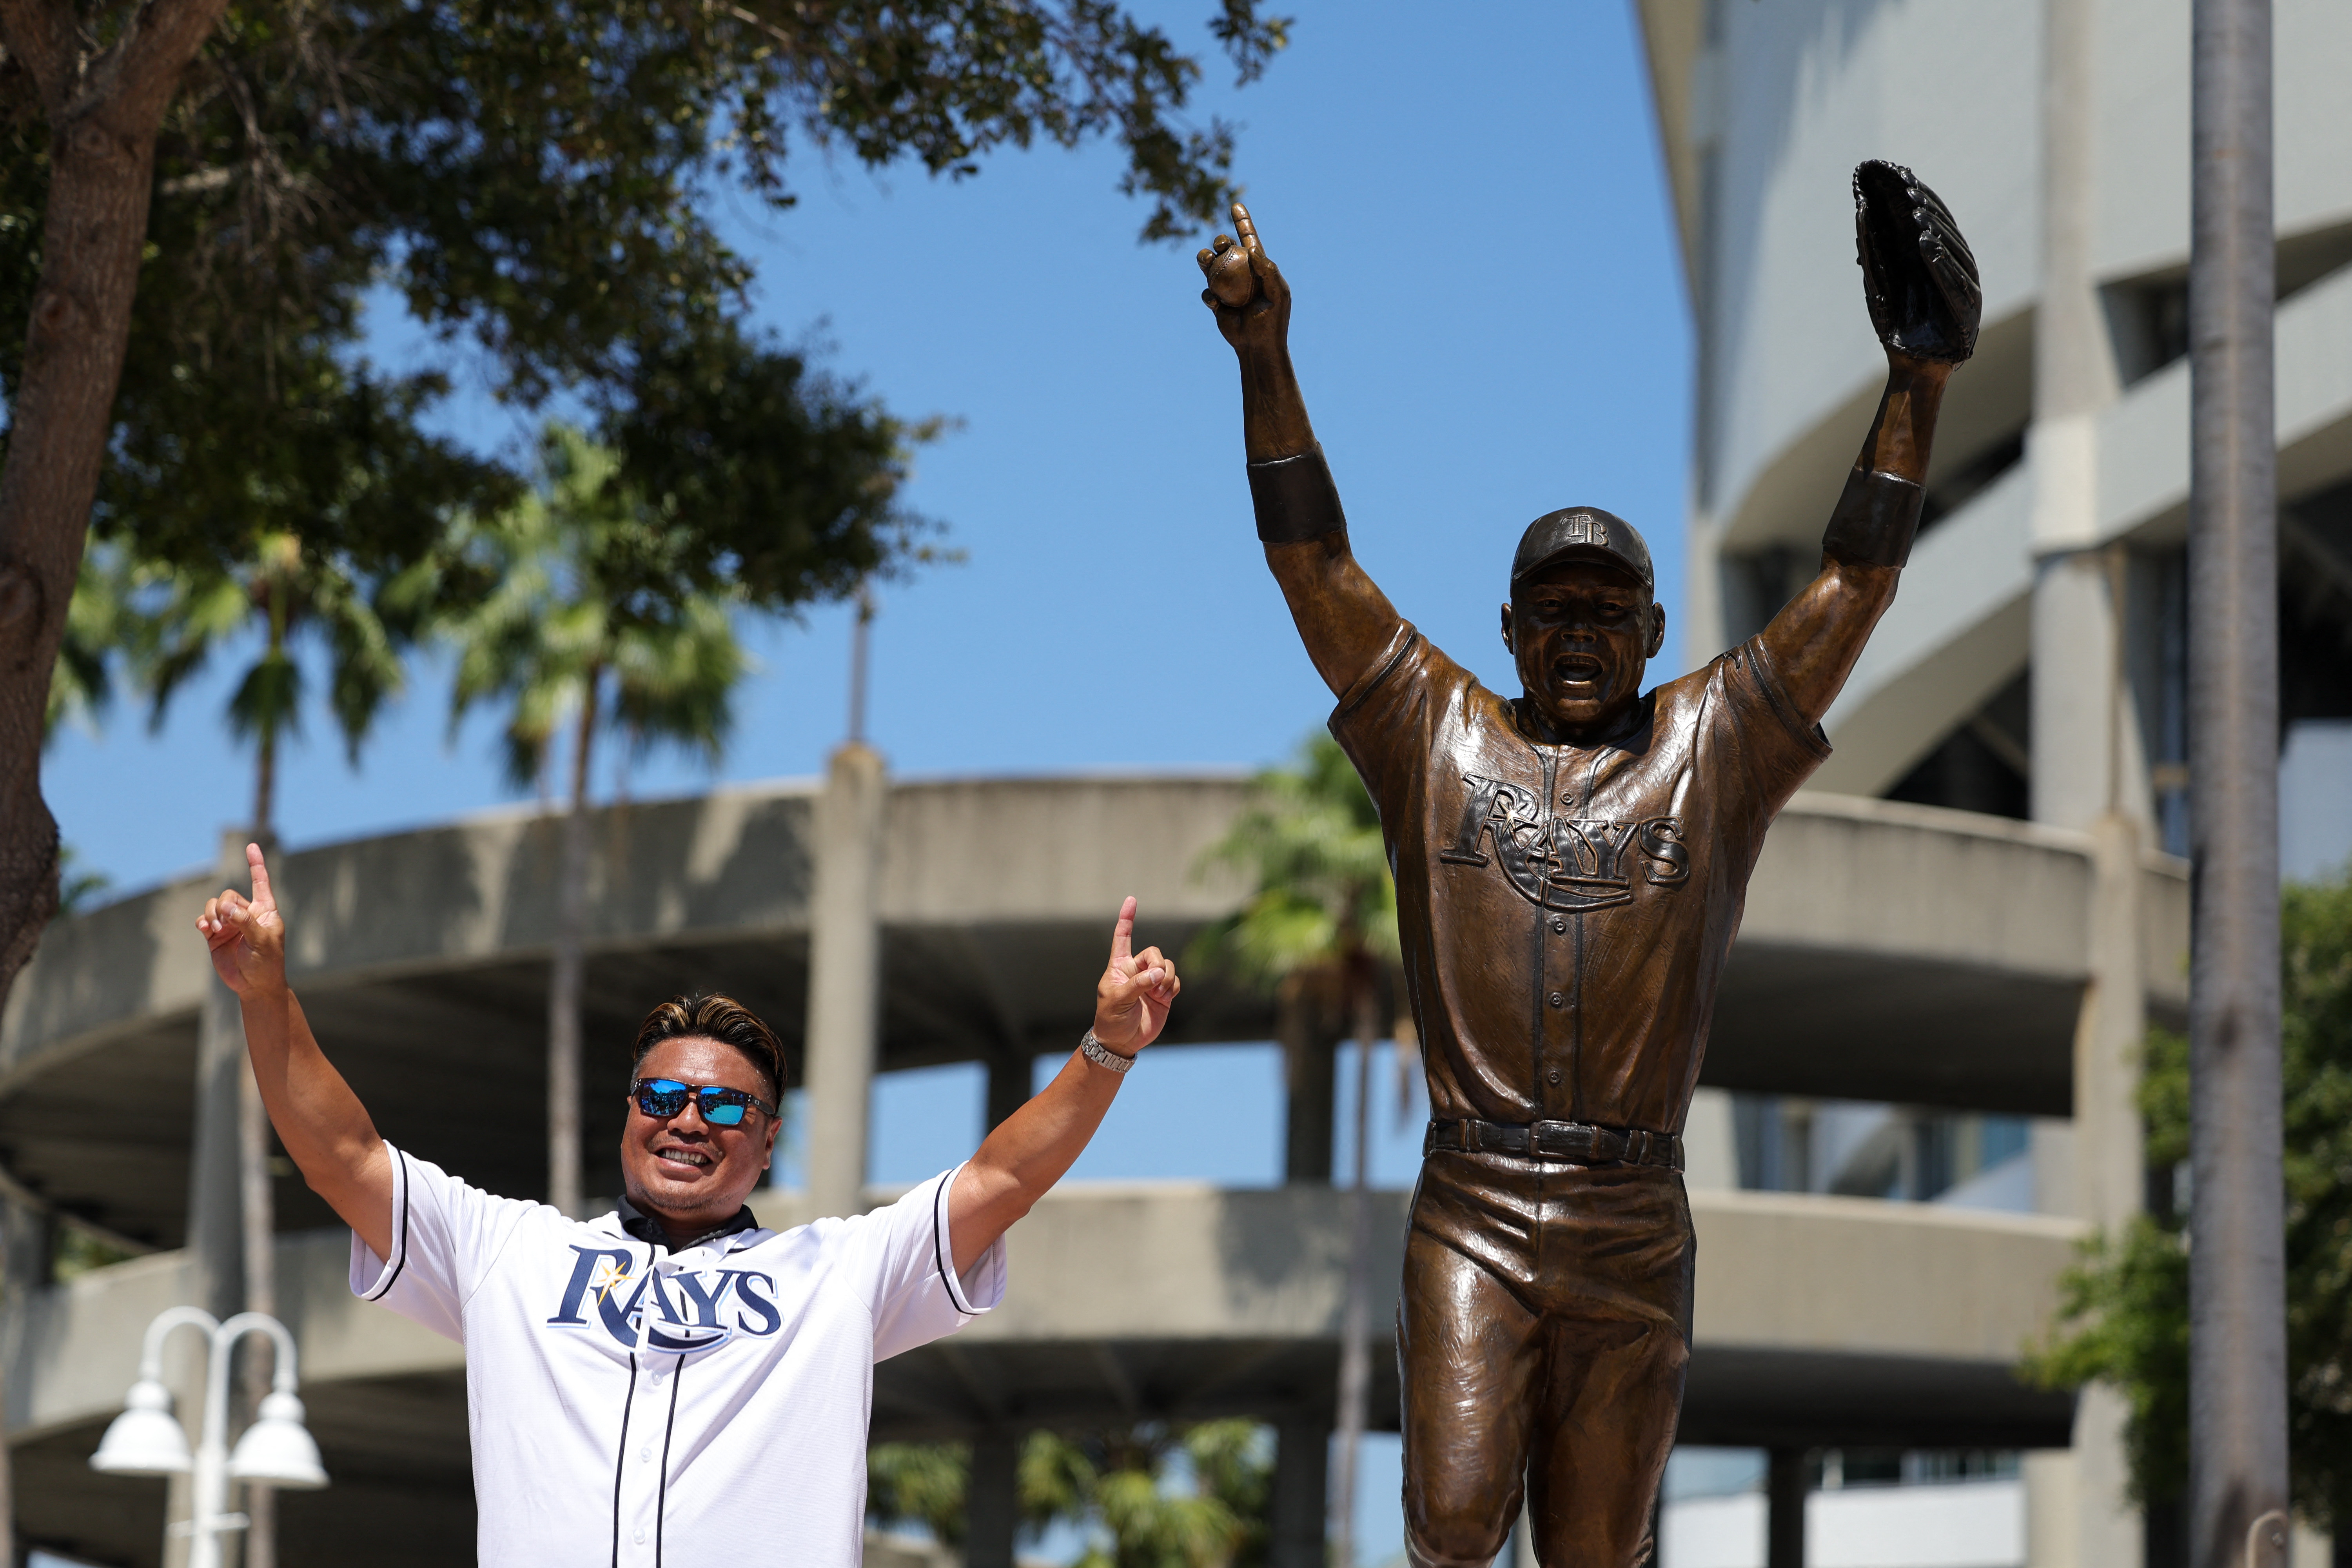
pixel 1821 1320
pixel 1890 952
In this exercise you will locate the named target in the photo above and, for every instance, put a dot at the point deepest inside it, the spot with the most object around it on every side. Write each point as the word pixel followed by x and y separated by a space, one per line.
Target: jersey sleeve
pixel 901 1260
pixel 1775 749
pixel 1388 722
pixel 445 1236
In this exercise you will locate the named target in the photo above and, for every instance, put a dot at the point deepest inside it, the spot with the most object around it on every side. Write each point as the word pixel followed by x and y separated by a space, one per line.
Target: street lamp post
pixel 146 1440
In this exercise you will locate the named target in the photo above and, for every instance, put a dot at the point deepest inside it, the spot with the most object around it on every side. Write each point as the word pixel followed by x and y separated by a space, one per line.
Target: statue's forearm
pixel 1290 485
pixel 1274 412
pixel 1879 512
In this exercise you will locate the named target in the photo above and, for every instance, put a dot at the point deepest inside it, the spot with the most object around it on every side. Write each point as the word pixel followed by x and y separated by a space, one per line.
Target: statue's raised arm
pixel 1342 617
pixel 1919 281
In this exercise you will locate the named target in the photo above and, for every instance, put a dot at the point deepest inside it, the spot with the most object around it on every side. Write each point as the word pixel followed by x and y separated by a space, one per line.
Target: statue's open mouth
pixel 1576 668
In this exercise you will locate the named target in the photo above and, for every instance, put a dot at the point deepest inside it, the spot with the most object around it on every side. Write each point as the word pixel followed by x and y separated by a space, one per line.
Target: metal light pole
pixel 145 1440
pixel 2237 1271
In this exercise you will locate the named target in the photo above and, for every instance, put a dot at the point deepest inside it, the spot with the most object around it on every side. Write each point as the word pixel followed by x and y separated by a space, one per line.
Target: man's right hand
pixel 246 935
pixel 1245 290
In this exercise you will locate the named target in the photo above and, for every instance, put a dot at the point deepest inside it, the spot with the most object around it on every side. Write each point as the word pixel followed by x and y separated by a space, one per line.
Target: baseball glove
pixel 1917 274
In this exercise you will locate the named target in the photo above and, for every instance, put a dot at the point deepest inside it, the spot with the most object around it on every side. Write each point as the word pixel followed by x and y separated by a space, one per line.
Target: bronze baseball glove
pixel 1917 274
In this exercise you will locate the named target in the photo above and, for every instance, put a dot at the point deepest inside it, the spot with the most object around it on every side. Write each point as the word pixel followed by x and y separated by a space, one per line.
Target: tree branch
pixel 40 34
pixel 140 70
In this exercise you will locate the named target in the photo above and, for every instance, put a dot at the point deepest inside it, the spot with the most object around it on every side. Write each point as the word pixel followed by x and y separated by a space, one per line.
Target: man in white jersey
pixel 672 1377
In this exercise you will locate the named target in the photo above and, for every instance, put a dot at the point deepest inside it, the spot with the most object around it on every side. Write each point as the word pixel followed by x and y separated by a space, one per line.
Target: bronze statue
pixel 1571 866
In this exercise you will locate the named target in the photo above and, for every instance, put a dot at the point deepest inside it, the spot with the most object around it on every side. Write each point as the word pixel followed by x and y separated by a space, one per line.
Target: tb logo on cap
pixel 1583 528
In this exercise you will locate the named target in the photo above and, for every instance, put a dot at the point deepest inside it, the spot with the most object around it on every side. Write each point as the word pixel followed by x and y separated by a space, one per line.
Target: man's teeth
pixel 684 1157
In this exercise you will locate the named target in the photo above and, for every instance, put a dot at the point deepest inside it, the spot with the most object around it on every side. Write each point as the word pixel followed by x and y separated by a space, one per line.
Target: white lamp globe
pixel 144 1440
pixel 277 1450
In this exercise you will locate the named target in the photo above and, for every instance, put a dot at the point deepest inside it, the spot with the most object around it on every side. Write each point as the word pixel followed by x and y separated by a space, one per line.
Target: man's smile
pixel 679 1155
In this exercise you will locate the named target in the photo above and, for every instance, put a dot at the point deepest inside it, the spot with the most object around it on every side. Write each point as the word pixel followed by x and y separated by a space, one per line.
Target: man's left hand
pixel 1132 999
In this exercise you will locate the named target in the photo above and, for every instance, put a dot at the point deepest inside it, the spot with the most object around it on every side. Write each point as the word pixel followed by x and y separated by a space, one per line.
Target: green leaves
pixel 588 591
pixel 531 178
pixel 2124 1312
pixel 1153 1496
pixel 763 475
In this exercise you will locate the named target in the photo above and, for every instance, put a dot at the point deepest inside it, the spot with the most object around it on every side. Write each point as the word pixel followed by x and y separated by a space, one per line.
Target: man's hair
pixel 707 1016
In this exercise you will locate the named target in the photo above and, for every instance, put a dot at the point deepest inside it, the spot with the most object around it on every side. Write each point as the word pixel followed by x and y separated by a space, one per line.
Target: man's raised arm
pixel 326 1130
pixel 1343 618
pixel 1920 282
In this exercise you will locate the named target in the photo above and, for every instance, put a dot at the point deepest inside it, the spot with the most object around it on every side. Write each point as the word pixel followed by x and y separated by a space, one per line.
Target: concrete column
pixel 845 976
pixel 2076 631
pixel 1309 1068
pixel 2089 762
pixel 993 1500
pixel 2088 757
pixel 2051 1539
pixel 2109 1164
pixel 1302 1477
pixel 1784 1508
pixel 1010 1074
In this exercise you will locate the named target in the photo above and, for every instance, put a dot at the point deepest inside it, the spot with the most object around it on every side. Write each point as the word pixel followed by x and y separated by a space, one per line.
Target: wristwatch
pixel 1102 1056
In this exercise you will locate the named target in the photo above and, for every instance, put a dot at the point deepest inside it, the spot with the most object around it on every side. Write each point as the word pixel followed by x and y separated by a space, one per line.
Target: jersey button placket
pixel 640 1479
pixel 1551 1016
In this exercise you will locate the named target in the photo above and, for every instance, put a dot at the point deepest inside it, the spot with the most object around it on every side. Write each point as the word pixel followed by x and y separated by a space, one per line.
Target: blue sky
pixel 1490 324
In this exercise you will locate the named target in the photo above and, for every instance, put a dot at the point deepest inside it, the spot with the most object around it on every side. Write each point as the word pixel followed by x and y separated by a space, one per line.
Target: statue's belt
pixel 1579 1142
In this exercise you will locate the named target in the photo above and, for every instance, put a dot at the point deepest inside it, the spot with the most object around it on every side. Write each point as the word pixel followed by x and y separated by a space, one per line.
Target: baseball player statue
pixel 673 1376
pixel 1570 865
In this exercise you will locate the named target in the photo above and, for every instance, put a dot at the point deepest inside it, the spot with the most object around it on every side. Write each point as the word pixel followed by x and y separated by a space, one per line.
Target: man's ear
pixel 1507 631
pixel 1657 629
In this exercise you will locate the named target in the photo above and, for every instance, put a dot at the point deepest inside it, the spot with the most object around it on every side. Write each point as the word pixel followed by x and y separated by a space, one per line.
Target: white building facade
pixel 2035 663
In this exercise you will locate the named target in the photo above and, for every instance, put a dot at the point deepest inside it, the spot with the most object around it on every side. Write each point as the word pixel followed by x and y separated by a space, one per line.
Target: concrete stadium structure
pixel 2034 665
pixel 1822 1320
pixel 1990 940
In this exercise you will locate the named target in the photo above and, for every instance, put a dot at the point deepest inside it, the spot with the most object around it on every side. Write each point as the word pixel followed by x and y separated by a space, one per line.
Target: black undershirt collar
pixel 649 1228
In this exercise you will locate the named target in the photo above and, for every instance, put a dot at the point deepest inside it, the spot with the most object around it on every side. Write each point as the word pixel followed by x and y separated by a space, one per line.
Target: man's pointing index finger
pixel 1122 935
pixel 260 869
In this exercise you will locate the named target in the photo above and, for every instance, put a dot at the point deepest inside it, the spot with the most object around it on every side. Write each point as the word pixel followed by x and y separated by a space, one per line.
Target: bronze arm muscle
pixel 1817 636
pixel 1921 283
pixel 1342 617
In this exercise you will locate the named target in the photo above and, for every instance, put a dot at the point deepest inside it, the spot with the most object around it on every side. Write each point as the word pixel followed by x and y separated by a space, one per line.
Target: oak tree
pixel 196 197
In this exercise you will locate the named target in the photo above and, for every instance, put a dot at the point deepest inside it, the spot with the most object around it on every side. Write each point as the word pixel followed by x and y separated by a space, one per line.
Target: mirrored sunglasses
pixel 663 1098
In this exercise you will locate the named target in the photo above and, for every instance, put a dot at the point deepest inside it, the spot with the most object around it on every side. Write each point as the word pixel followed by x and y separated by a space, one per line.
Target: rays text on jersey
pixel 1561 862
pixel 691 1311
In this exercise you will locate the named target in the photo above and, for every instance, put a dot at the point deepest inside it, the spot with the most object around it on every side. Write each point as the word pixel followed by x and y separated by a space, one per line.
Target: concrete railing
pixel 1873 877
pixel 1778 1273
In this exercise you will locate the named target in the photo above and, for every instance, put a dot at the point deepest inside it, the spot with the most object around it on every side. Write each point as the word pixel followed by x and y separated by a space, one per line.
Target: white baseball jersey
pixel 624 1399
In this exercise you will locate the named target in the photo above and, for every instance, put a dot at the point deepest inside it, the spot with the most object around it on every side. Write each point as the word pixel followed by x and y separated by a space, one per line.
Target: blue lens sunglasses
pixel 663 1098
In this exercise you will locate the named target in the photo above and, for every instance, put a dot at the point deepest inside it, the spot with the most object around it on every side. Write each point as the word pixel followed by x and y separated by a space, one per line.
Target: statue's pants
pixel 1542 1333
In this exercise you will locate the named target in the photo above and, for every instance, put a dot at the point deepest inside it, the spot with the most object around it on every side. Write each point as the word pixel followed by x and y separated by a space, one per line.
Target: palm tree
pixel 569 640
pixel 181 618
pixel 81 685
pixel 1320 931
pixel 175 620
pixel 1117 1486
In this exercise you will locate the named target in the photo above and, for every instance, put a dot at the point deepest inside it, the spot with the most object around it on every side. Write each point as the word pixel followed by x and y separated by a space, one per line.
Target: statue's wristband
pixel 1295 499
pixel 1874 520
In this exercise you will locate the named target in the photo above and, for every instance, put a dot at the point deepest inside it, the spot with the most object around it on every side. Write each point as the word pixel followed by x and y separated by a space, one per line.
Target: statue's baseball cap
pixel 1582 533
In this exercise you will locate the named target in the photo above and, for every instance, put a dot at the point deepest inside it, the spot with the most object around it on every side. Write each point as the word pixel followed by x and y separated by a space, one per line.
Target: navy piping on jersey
pixel 621 1458
pixel 661 1497
pixel 938 1254
pixel 399 1238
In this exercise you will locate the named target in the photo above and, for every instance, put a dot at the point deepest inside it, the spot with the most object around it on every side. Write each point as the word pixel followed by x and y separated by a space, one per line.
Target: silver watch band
pixel 1102 1056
